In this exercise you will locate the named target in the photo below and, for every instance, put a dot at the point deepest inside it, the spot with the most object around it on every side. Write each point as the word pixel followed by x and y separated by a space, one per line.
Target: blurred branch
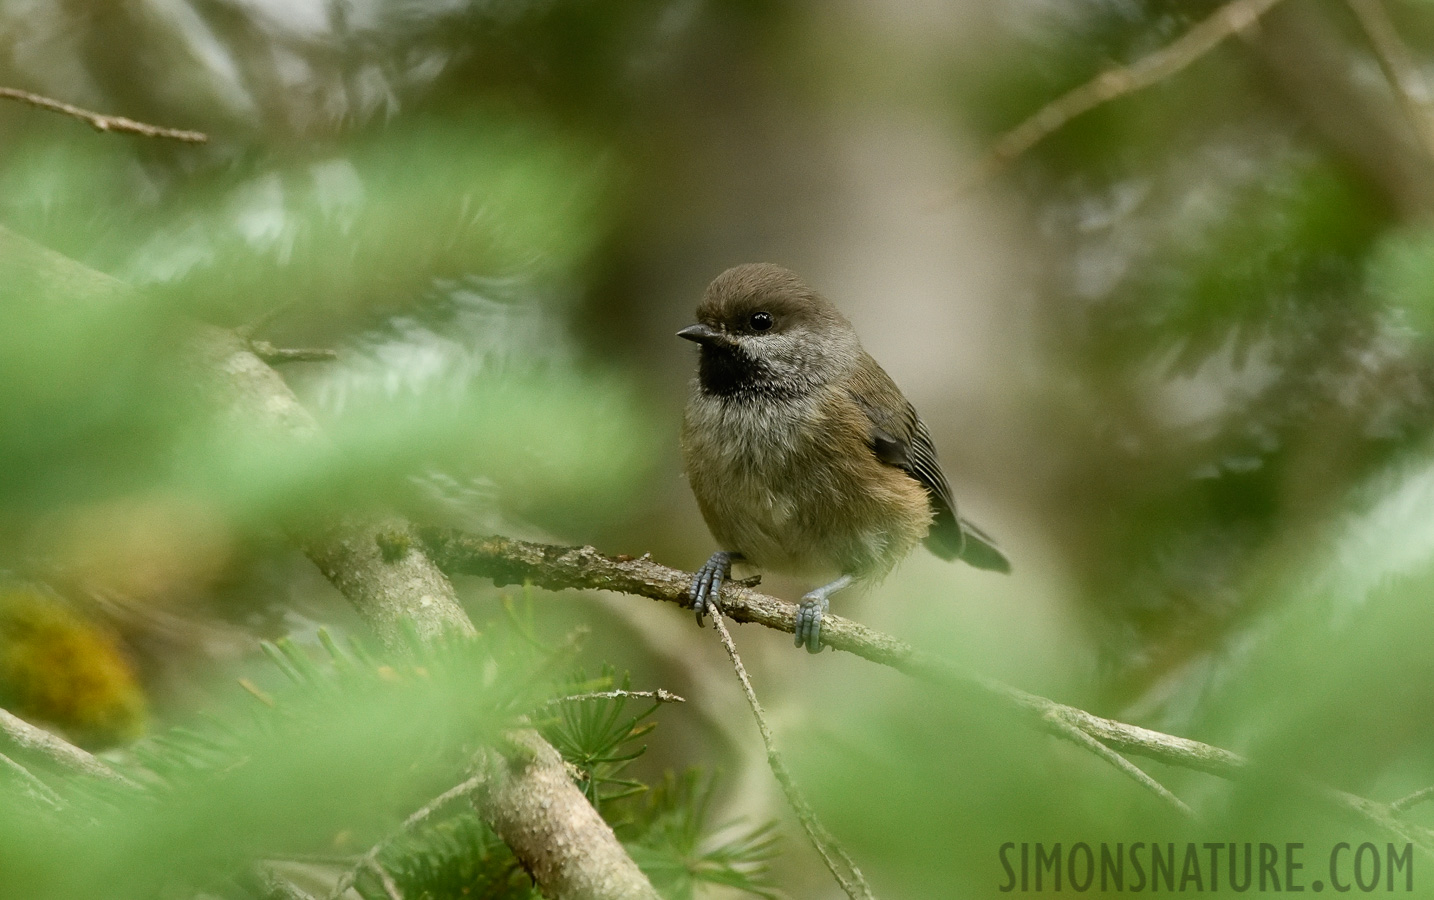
pixel 394 596
pixel 418 818
pixel 36 788
pixel 274 356
pixel 1123 765
pixel 1310 61
pixel 508 561
pixel 390 888
pixel 1233 17
pixel 1399 68
pixel 101 122
pixel 526 794
pixel 528 798
pixel 276 886
pixel 825 844
pixel 42 743
pixel 1404 804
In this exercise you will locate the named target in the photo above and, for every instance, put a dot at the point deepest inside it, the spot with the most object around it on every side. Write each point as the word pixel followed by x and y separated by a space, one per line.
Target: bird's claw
pixel 707 583
pixel 808 630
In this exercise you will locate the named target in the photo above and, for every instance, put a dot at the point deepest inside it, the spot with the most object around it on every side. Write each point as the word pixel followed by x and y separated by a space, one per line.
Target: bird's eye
pixel 760 321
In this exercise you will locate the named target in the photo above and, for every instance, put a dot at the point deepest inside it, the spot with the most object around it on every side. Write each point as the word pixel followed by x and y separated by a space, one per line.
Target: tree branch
pixel 508 561
pixel 531 803
pixel 418 818
pixel 1123 765
pixel 527 796
pixel 660 695
pixel 1403 804
pixel 42 743
pixel 1230 19
pixel 1399 68
pixel 529 799
pixel 276 356
pixel 1309 61
pixel 101 122
pixel 37 789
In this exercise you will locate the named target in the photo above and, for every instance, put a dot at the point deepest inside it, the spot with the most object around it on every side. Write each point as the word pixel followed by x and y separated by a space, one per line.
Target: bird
pixel 804 456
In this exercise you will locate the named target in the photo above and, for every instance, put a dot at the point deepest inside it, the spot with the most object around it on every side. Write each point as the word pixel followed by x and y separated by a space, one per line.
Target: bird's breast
pixel 793 486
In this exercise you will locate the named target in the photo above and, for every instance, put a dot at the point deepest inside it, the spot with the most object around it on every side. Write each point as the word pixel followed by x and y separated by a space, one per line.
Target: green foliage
pixel 1204 429
pixel 1263 262
pixel 336 748
pixel 597 737
pixel 345 743
pixel 457 858
pixel 672 838
pixel 1401 274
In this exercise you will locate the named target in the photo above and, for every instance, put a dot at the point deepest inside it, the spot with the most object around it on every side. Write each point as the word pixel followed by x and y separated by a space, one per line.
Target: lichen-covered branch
pixel 508 561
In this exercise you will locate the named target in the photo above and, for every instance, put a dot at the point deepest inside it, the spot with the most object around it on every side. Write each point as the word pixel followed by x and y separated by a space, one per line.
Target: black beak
pixel 702 334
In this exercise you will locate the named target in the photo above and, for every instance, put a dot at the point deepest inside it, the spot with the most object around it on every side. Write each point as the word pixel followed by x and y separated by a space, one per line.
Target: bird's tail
pixel 958 538
pixel 980 550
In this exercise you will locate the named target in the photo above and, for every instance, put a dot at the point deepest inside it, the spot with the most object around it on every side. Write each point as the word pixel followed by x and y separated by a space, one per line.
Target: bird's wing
pixel 899 438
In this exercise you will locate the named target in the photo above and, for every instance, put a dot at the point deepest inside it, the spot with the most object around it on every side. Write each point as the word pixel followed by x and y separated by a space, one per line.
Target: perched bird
pixel 803 454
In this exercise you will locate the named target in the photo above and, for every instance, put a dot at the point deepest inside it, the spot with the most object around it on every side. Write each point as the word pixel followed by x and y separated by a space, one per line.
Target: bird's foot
pixel 707 582
pixel 808 630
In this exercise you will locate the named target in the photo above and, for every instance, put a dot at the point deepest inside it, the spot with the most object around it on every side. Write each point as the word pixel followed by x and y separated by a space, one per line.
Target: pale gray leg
pixel 707 581
pixel 809 614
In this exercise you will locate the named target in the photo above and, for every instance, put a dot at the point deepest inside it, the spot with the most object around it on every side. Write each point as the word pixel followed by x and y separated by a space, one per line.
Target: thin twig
pixel 277 886
pixel 1139 775
pixel 1404 804
pixel 42 743
pixel 33 785
pixel 1203 37
pixel 660 695
pixel 275 356
pixel 101 122
pixel 508 561
pixel 389 886
pixel 370 858
pixel 821 839
pixel 1399 68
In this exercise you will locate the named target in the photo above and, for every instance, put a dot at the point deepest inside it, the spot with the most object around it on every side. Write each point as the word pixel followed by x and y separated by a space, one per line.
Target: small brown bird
pixel 803 454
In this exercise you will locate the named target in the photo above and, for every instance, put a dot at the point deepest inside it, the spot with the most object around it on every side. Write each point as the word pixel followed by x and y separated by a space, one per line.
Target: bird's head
pixel 764 332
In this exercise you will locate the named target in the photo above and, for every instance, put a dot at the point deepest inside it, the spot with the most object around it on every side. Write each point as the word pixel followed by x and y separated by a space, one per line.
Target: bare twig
pixel 1137 774
pixel 825 844
pixel 101 122
pixel 418 818
pixel 390 888
pixel 1399 68
pixel 276 886
pixel 660 695
pixel 33 785
pixel 508 561
pixel 275 356
pixel 42 743
pixel 1404 804
pixel 1230 19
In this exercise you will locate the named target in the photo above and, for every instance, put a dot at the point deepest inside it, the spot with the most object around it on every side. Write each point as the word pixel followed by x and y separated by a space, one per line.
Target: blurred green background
pixel 1178 357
